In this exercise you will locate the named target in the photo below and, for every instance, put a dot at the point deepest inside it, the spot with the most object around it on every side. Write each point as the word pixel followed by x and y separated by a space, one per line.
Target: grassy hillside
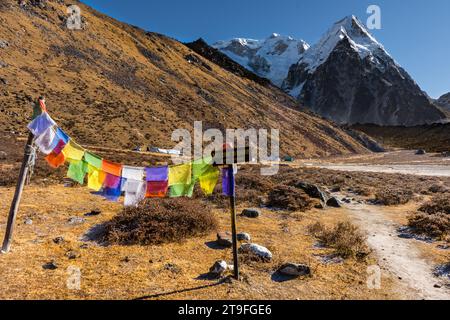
pixel 112 84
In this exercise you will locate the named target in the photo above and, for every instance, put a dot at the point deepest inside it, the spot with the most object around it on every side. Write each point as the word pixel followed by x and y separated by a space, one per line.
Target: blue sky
pixel 415 32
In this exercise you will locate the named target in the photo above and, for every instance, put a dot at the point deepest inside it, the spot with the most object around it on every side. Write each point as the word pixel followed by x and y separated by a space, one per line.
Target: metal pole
pixel 19 189
pixel 233 220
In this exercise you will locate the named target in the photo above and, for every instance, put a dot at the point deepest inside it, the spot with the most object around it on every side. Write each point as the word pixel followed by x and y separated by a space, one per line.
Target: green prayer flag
pixel 199 167
pixel 92 159
pixel 182 190
pixel 77 170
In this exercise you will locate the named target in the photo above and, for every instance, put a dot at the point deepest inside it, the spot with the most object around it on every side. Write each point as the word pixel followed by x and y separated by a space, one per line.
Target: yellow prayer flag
pixel 73 151
pixel 180 174
pixel 96 178
pixel 208 180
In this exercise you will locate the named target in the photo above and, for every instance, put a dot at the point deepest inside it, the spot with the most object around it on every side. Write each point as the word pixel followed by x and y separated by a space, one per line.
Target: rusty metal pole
pixel 24 170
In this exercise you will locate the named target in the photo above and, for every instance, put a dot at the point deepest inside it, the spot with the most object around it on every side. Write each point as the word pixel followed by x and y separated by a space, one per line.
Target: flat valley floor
pixel 177 271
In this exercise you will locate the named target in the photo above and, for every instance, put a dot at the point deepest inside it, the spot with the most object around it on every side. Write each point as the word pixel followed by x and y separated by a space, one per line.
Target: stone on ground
pixel 294 270
pixel 256 250
pixel 251 213
pixel 219 268
pixel 224 239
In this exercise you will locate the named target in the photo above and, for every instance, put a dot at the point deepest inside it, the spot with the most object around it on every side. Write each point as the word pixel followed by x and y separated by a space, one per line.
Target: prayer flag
pixel 180 175
pixel 226 187
pixel 111 181
pixel 44 141
pixel 157 189
pixel 40 124
pixel 59 147
pixel 62 135
pixel 96 178
pixel 157 173
pixel 112 168
pixel 133 173
pixel 55 160
pixel 182 190
pixel 208 180
pixel 73 151
pixel 93 160
pixel 77 170
pixel 112 193
pixel 134 192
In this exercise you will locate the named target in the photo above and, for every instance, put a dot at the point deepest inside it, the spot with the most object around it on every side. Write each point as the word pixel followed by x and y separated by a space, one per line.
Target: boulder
pixel 3 155
pixel 72 255
pixel 224 239
pixel 58 240
pixel 251 213
pixel 257 251
pixel 334 202
pixel 218 269
pixel 28 221
pixel 76 221
pixel 312 191
pixel 93 213
pixel 294 270
pixel 50 266
pixel 244 237
pixel 3 44
pixel 421 152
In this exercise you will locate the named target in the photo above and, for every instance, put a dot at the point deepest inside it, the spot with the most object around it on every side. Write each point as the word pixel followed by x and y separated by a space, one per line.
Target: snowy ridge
pixel 270 58
pixel 360 40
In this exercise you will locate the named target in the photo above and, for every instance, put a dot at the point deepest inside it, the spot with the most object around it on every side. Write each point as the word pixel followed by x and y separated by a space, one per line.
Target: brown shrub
pixel 438 204
pixel 433 225
pixel 393 197
pixel 345 238
pixel 290 198
pixel 158 221
pixel 432 218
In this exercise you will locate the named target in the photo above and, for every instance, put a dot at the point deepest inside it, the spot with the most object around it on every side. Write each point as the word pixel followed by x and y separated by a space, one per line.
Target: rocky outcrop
pixel 214 55
pixel 444 101
pixel 367 141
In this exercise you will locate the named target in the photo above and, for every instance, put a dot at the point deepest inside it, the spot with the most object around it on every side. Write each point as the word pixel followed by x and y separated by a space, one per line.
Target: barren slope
pixel 112 84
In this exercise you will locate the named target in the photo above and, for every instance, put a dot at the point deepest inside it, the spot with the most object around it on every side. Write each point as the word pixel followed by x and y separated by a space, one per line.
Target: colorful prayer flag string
pixel 111 179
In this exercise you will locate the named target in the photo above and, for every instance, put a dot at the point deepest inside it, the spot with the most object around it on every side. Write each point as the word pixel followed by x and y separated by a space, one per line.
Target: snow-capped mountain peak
pixel 351 29
pixel 270 58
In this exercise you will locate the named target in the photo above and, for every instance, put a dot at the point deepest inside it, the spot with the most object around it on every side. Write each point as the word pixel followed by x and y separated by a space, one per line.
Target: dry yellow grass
pixel 130 272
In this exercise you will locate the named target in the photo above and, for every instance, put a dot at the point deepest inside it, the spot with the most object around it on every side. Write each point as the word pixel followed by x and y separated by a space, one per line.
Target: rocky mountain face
pixel 444 101
pixel 216 56
pixel 350 78
pixel 117 86
pixel 270 58
pixel 347 77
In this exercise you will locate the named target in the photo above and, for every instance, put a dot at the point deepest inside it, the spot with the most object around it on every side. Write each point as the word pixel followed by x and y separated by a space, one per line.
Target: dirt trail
pixel 398 256
pixel 415 169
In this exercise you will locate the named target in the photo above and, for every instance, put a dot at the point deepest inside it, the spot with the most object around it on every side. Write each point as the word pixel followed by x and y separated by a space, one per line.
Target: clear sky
pixel 415 32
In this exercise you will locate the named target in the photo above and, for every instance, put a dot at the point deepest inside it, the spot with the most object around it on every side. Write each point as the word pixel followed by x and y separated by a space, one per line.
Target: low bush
pixel 432 218
pixel 393 197
pixel 345 238
pixel 438 204
pixel 433 225
pixel 158 221
pixel 290 198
